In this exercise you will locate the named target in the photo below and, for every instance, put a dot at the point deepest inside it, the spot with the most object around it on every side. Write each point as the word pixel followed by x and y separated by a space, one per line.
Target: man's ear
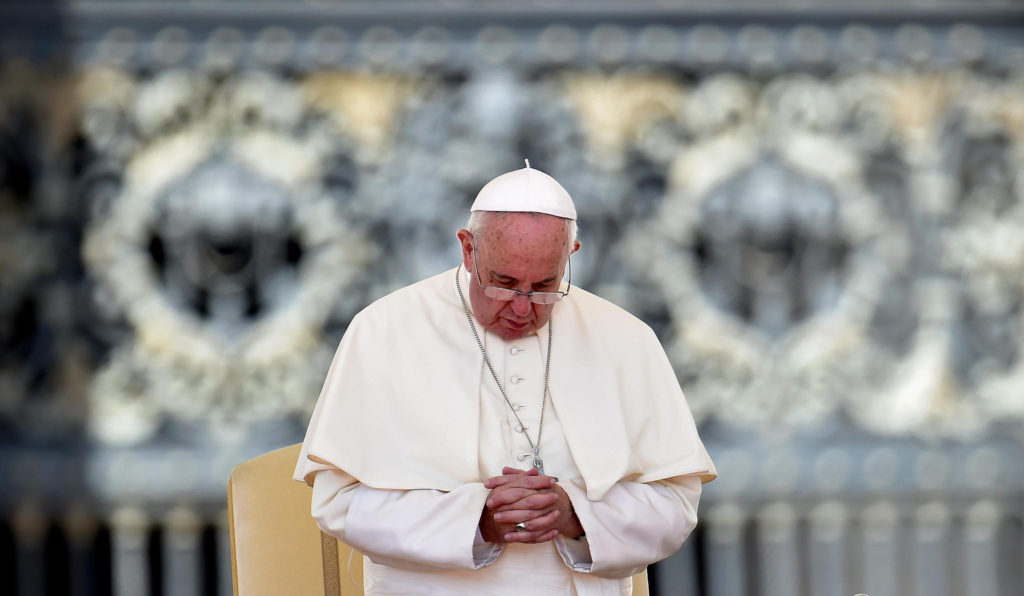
pixel 576 246
pixel 466 244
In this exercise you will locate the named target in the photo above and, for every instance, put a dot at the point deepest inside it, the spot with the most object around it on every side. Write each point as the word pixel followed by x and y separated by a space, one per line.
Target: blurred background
pixel 817 204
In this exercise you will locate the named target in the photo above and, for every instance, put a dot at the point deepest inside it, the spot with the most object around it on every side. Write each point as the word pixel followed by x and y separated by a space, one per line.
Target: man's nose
pixel 521 305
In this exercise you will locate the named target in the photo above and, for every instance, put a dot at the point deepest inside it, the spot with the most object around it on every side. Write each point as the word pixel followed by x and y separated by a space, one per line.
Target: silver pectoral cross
pixel 537 461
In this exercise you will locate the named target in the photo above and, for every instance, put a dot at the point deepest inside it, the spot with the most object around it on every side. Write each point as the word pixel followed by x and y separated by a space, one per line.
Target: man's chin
pixel 508 334
pixel 508 331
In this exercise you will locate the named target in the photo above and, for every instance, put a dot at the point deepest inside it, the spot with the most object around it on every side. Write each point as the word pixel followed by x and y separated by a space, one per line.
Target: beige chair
pixel 277 548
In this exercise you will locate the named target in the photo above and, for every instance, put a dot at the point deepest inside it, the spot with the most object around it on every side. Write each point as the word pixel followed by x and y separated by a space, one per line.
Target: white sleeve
pixel 633 526
pixel 409 529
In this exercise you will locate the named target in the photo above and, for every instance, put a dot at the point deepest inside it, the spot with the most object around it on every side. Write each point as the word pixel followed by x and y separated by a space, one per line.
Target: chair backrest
pixel 276 546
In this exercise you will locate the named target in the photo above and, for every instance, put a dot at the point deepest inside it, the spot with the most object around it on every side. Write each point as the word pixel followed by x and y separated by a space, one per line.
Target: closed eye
pixel 504 280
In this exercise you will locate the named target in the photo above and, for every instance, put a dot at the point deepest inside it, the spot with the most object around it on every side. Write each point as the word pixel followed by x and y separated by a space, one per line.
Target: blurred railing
pixel 831 547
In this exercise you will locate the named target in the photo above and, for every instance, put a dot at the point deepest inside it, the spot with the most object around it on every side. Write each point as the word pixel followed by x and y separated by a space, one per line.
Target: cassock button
pixel 516 379
pixel 515 350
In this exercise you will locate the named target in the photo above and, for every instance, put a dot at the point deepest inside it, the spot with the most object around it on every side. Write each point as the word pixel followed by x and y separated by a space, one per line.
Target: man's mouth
pixel 516 325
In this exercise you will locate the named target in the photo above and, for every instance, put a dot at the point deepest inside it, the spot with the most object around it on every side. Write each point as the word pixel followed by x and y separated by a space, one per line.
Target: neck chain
pixel 537 461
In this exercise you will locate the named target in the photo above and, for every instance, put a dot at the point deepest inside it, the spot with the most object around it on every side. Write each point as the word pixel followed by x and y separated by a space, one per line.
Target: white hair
pixel 476 223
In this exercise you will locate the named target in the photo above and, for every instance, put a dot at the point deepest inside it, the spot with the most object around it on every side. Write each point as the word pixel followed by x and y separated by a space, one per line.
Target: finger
pixel 512 475
pixel 507 470
pixel 522 480
pixel 497 481
pixel 536 500
pixel 514 516
pixel 537 525
pixel 545 522
pixel 541 523
pixel 512 492
pixel 527 537
pixel 505 496
pixel 530 537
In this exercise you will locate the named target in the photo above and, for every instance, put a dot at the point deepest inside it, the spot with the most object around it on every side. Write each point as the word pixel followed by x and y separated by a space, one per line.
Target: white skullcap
pixel 526 190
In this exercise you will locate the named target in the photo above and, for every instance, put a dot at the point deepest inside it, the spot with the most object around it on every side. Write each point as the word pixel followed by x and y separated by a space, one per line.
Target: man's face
pixel 521 251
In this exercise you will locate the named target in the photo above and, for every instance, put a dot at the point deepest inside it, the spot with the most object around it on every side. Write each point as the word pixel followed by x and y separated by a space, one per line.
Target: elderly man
pixel 493 430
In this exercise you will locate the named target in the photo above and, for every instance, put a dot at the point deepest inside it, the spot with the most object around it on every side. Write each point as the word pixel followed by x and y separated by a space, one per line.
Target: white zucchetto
pixel 525 190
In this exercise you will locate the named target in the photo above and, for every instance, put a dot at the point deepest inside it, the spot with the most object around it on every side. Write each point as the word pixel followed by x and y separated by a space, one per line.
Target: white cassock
pixel 410 423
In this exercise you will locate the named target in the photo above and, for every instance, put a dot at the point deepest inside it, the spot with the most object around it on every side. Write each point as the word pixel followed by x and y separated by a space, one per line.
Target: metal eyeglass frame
pixel 509 294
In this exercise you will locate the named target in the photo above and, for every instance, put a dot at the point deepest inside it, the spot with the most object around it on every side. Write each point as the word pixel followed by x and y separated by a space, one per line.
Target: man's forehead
pixel 533 232
pixel 523 219
pixel 520 262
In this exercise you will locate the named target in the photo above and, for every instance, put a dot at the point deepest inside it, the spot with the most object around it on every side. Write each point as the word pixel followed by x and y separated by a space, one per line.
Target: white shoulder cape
pixel 400 406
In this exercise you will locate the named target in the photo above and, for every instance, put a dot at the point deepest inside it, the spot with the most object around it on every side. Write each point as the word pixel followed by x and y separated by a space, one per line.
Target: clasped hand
pixel 525 496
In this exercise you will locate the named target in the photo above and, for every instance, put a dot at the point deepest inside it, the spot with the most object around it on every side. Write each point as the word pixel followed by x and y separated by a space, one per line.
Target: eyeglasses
pixel 507 294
